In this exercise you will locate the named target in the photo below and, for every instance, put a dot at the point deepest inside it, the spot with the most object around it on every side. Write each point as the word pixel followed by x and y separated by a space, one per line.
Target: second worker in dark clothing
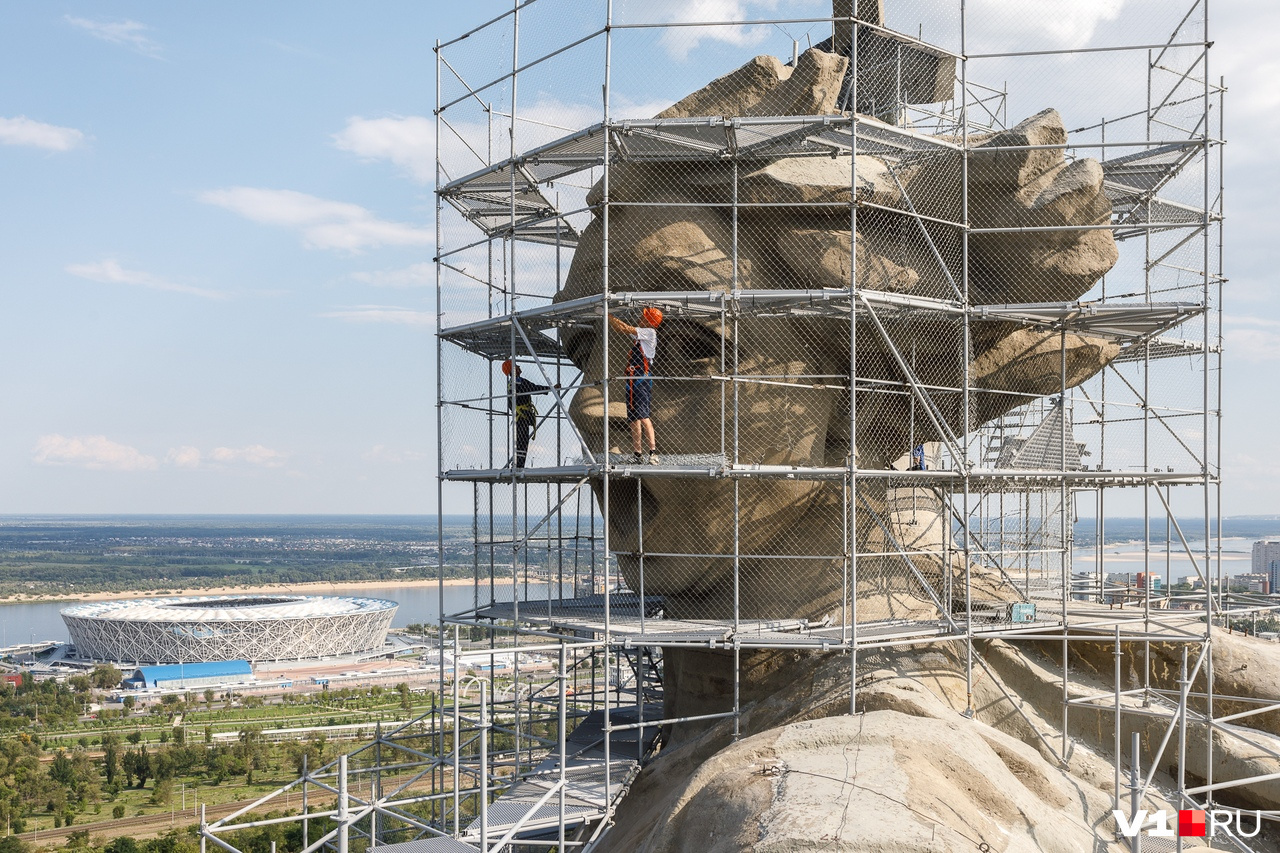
pixel 520 393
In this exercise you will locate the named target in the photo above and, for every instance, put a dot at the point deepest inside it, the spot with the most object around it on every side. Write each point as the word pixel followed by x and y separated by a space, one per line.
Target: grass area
pixel 138 801
pixel 220 721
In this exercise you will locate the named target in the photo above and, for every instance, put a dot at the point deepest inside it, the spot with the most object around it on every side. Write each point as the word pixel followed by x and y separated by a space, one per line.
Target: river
pixel 41 620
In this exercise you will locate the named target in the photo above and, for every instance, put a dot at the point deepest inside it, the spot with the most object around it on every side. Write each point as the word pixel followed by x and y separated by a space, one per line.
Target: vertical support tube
pixel 851 520
pixel 1065 536
pixel 639 650
pixel 509 250
pixel 1209 686
pixel 1116 744
pixel 440 610
pixel 561 751
pixel 375 789
pixel 604 378
pixel 968 355
pixel 204 829
pixel 455 747
pixel 1135 786
pixel 737 501
pixel 484 768
pixel 1183 687
pixel 344 806
pixel 306 821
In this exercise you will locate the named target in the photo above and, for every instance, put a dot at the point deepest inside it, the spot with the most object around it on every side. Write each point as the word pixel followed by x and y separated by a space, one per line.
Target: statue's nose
pixel 587 411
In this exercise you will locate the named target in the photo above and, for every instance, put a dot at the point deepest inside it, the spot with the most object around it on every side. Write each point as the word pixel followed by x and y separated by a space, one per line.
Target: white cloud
pixel 183 457
pixel 1251 67
pixel 538 122
pixel 1064 25
pixel 1252 339
pixel 21 130
pixel 254 454
pixel 382 453
pixel 1253 345
pixel 416 275
pixel 406 141
pixel 90 451
pixel 324 224
pixel 679 42
pixel 193 458
pixel 382 314
pixel 109 271
pixel 127 33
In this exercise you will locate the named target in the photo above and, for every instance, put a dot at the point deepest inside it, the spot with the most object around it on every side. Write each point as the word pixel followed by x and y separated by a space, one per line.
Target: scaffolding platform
pixel 977 479
pixel 1132 183
pixel 531 808
pixel 587 617
pixel 525 332
pixel 505 200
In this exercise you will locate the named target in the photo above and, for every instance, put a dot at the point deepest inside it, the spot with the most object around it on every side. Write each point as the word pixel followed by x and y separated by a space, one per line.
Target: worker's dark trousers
pixel 522 442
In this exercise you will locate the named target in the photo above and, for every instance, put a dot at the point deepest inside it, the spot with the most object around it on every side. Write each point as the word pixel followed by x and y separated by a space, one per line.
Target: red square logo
pixel 1191 822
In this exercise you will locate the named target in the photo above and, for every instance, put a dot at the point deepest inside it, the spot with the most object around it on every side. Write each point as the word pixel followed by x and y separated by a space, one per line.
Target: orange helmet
pixel 652 317
pixel 506 367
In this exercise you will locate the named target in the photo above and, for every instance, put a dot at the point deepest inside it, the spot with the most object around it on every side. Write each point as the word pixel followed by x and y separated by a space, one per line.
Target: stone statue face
pixel 790 404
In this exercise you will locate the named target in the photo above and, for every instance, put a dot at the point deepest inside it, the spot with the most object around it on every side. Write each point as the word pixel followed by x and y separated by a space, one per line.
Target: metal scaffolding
pixel 848 455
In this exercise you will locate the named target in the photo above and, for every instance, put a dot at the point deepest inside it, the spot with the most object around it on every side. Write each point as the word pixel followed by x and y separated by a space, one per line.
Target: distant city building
pixel 1266 560
pixel 1255 581
pixel 1149 580
pixel 14 678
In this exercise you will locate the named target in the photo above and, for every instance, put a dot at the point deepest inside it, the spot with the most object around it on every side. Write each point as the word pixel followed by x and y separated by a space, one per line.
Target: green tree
pixel 110 757
pixel 14 844
pixel 137 765
pixel 105 676
pixel 251 751
pixel 406 700
pixel 62 770
pixel 162 792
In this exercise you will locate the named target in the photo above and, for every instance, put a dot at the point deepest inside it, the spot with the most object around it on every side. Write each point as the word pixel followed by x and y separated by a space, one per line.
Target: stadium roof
pixel 228 608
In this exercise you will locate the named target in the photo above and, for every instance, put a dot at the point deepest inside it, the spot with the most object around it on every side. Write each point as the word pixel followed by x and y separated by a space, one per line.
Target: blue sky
pixel 217 292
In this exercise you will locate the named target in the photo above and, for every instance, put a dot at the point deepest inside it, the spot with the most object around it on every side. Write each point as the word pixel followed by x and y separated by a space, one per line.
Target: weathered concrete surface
pixel 706 792
pixel 909 774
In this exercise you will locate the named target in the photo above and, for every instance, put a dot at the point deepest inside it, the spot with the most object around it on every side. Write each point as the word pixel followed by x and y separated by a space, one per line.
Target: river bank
pixel 308 588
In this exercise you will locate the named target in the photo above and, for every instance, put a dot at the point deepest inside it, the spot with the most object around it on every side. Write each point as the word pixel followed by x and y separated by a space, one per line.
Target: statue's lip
pixel 622 504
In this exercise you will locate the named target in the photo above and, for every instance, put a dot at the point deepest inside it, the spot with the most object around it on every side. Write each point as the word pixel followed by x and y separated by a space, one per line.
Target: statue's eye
pixel 577 345
pixel 693 341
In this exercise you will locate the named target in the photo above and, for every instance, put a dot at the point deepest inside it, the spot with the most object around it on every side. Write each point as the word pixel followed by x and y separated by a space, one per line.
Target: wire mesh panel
pixel 820 325
pixel 720 308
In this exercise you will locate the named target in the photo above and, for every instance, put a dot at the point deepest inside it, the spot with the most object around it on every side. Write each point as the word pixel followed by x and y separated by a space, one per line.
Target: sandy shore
pixel 312 588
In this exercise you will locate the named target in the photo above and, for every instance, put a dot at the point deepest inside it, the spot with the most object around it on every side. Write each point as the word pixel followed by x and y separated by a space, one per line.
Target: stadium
pixel 254 628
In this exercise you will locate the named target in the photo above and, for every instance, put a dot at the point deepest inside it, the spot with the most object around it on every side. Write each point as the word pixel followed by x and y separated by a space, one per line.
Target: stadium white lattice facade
pixel 228 627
